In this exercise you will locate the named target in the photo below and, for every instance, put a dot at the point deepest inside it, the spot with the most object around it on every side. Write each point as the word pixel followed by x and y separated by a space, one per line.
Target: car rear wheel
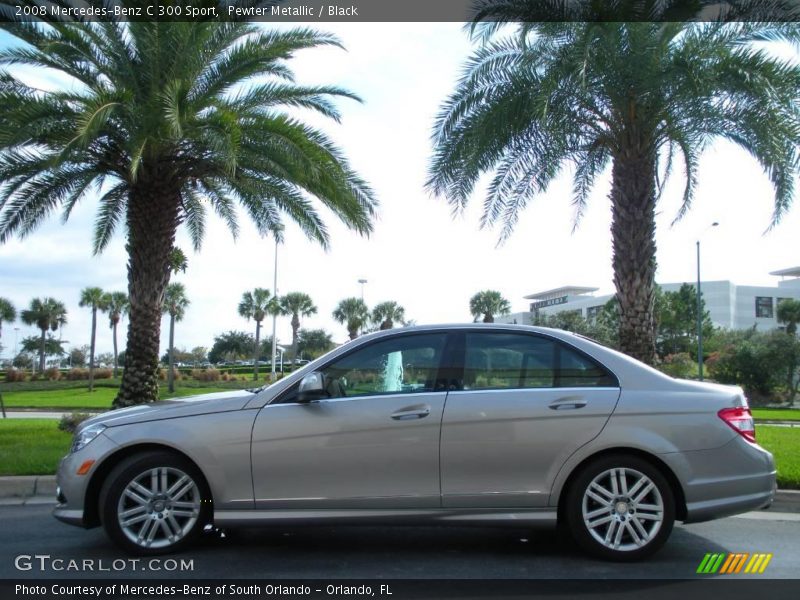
pixel 620 508
pixel 154 503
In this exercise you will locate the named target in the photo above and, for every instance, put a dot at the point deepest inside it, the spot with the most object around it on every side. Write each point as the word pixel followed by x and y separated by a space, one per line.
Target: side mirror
pixel 312 387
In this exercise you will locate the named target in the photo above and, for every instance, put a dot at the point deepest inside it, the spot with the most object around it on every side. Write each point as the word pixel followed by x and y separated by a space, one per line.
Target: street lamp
pixel 362 282
pixel 700 309
pixel 273 377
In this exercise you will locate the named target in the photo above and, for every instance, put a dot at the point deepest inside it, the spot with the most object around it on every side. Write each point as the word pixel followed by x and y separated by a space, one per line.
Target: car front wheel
pixel 154 503
pixel 620 508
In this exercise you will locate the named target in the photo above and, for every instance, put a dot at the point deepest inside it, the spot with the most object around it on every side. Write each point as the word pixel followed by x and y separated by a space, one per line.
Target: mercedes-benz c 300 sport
pixel 484 424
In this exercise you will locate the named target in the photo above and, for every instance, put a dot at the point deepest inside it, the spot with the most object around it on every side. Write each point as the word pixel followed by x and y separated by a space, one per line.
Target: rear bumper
pixel 735 478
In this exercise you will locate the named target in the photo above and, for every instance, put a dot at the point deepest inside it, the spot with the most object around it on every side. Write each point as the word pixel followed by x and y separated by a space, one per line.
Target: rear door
pixel 524 404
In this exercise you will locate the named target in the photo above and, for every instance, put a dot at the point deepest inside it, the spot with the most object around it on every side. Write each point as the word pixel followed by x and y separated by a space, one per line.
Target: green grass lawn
pixel 31 446
pixel 100 398
pixel 34 447
pixel 784 443
pixel 777 414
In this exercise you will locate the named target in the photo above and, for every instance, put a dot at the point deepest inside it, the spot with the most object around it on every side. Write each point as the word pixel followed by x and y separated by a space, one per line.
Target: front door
pixel 372 443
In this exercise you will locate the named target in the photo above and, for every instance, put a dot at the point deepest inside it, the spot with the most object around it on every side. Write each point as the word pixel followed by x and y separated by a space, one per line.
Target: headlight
pixel 86 435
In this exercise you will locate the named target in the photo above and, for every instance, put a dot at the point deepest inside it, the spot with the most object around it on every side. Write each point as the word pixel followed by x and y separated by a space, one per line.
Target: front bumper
pixel 72 488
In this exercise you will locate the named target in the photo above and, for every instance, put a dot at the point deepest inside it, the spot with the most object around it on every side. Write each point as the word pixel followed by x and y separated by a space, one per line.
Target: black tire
pixel 622 510
pixel 159 515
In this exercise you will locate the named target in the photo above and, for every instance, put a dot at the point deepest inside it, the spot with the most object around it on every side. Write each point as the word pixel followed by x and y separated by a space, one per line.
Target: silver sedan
pixel 483 424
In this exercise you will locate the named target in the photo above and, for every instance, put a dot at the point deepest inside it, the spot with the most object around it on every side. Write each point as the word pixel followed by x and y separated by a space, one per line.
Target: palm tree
pixel 353 313
pixel 386 313
pixel 8 314
pixel 632 95
pixel 116 305
pixel 46 314
pixel 298 305
pixel 175 305
pixel 173 119
pixel 789 313
pixel 256 305
pixel 487 304
pixel 93 298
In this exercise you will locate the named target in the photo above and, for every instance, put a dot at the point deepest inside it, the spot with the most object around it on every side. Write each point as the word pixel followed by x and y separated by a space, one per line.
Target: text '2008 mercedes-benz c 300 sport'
pixel 484 424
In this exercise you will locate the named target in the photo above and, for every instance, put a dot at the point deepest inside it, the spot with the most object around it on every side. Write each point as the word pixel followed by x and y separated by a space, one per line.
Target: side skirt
pixel 439 516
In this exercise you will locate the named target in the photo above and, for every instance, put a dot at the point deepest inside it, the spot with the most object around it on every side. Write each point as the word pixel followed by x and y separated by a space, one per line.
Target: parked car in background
pixel 485 424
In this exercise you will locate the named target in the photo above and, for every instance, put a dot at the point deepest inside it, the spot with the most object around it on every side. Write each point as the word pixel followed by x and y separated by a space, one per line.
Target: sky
pixel 419 254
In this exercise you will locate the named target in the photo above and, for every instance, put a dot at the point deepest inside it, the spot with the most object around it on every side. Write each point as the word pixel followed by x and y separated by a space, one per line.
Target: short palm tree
pixel 174 120
pixel 92 297
pixel 46 314
pixel 487 304
pixel 116 305
pixel 175 305
pixel 8 313
pixel 353 313
pixel 298 305
pixel 386 313
pixel 789 313
pixel 635 96
pixel 256 305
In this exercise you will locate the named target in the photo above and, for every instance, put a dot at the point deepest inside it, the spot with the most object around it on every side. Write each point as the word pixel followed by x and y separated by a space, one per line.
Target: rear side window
pixel 509 360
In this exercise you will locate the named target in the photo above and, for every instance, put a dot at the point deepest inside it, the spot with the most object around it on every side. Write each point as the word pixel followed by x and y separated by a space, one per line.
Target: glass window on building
pixel 592 312
pixel 764 307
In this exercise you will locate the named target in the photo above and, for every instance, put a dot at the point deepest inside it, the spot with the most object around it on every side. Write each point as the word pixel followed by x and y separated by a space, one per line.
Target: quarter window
pixel 502 361
pixel 400 365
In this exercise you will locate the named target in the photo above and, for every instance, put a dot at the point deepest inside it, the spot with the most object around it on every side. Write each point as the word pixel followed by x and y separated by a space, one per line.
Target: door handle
pixel 567 403
pixel 407 414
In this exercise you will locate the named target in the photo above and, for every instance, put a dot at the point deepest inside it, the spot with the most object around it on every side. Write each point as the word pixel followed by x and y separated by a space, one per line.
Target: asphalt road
pixel 389 552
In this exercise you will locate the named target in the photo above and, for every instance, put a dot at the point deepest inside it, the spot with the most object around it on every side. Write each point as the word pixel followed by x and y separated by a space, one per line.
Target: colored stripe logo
pixel 733 563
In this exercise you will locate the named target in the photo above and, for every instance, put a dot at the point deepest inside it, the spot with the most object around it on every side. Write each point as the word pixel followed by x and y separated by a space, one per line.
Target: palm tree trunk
pixel 114 336
pixel 633 203
pixel 353 334
pixel 152 220
pixel 255 351
pixel 295 329
pixel 41 352
pixel 91 349
pixel 171 373
pixel 488 318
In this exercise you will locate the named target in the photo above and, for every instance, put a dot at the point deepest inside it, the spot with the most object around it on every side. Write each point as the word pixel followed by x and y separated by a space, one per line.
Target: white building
pixel 730 305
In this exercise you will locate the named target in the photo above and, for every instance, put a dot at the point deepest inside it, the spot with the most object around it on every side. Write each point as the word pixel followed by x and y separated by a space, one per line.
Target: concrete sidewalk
pixel 43 414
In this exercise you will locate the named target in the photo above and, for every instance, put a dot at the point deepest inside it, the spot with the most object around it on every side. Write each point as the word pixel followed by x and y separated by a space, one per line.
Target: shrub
pixel 75 374
pixel 52 374
pixel 225 377
pixel 176 375
pixel 15 375
pixel 103 373
pixel 678 365
pixel 69 422
pixel 206 374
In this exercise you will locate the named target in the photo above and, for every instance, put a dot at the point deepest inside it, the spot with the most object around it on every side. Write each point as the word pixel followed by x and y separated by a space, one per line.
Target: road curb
pixel 27 486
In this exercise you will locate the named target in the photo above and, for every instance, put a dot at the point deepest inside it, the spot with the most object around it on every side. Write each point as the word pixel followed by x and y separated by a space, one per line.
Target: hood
pixel 202 404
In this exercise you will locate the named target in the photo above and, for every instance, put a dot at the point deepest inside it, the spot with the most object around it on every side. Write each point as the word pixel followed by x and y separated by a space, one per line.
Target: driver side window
pixel 400 365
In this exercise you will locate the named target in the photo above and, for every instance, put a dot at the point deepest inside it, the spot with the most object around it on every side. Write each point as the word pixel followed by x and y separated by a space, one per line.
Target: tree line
pixel 154 127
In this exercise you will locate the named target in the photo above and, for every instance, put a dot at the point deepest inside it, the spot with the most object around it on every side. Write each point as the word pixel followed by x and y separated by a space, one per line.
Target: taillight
pixel 741 421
